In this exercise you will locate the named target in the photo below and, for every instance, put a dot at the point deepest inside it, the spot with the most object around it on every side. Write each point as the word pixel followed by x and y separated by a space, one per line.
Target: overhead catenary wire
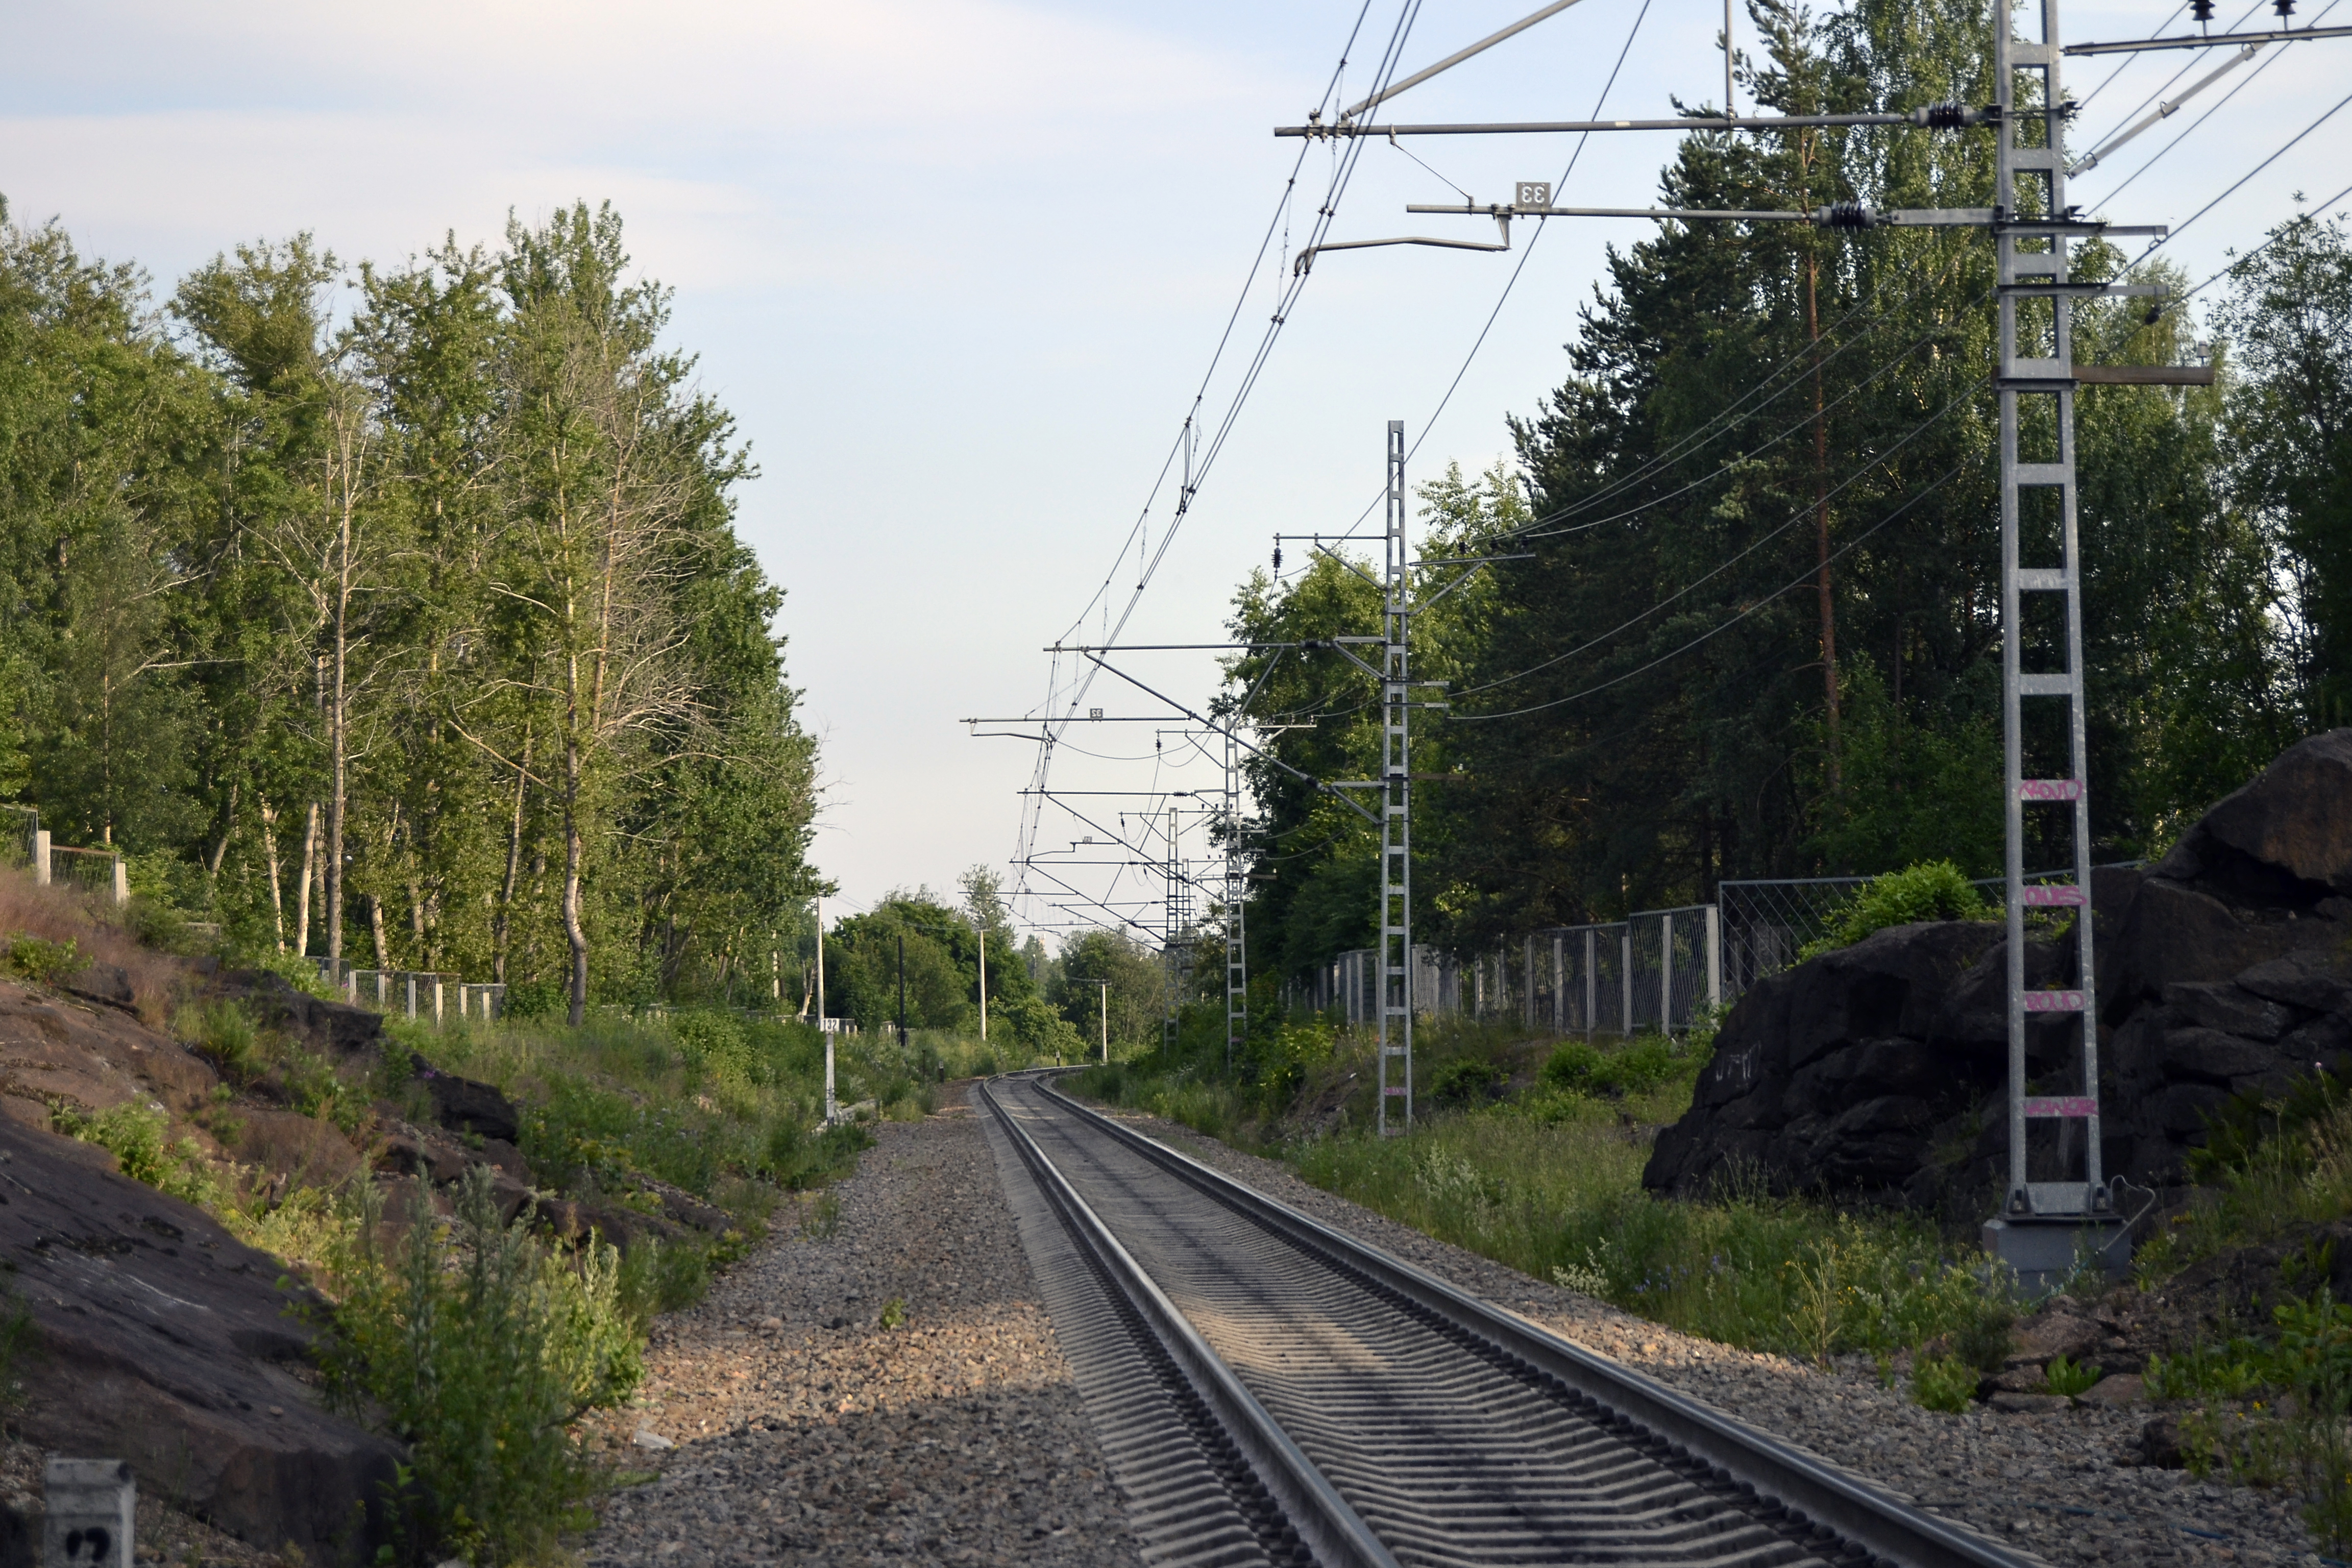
pixel 2243 83
pixel 2177 300
pixel 2162 240
pixel 2125 64
pixel 1801 579
pixel 1185 447
pixel 1795 517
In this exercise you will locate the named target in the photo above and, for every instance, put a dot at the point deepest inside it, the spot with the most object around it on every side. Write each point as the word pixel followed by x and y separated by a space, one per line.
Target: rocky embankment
pixel 1880 1070
pixel 157 1336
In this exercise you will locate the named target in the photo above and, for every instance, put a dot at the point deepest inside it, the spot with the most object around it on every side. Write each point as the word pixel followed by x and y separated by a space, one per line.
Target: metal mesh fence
pixel 1660 970
pixel 412 993
pixel 18 825
pixel 97 872
pixel 1767 924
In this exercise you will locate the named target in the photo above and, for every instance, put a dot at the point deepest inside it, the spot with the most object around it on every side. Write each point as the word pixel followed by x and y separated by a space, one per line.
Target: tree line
pixel 1758 633
pixel 397 615
pixel 915 956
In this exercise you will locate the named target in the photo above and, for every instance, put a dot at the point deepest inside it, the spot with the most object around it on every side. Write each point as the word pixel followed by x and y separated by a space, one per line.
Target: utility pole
pixel 1236 891
pixel 824 1025
pixel 1178 912
pixel 1395 1038
pixel 1104 986
pixel 2039 1222
pixel 982 930
pixel 902 993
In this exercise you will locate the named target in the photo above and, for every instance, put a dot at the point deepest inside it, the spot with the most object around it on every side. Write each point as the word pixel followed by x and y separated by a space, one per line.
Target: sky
pixel 959 267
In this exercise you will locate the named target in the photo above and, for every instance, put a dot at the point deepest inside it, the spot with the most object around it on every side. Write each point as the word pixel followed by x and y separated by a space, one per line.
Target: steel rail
pixel 1324 1519
pixel 1784 1480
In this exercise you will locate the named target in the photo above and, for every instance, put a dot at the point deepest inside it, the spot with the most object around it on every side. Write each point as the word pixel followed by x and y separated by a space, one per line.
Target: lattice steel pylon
pixel 1177 947
pixel 1236 890
pixel 2042 1222
pixel 1395 782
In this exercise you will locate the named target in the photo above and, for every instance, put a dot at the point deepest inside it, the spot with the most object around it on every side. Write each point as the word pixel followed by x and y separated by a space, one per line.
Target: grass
pixel 1533 1157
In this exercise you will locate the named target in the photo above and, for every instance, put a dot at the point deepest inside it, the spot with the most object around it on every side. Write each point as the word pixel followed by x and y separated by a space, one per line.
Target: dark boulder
pixel 1834 1075
pixel 165 1340
pixel 462 1105
pixel 1880 1070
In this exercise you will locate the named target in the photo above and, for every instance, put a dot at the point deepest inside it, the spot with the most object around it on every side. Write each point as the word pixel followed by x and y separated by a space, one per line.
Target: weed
pixel 224 1035
pixel 1986 1332
pixel 1943 1382
pixel 138 1137
pixel 42 962
pixel 2066 1377
pixel 822 1219
pixel 1459 1084
pixel 312 1089
pixel 894 1314
pixel 478 1348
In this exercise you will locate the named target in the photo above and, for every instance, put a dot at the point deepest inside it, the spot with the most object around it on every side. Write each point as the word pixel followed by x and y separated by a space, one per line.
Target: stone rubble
pixel 782 1421
pixel 2061 1482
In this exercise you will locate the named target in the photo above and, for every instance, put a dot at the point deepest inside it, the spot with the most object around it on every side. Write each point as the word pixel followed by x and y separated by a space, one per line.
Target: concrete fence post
pixel 1625 979
pixel 1666 972
pixel 1714 956
pixel 1591 980
pixel 121 882
pixel 40 857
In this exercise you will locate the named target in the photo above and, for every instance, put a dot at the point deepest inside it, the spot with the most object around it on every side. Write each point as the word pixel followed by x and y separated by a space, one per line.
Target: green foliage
pixel 1644 1064
pixel 1936 890
pixel 42 962
pixel 224 1035
pixel 894 1314
pixel 139 1137
pixel 1944 1383
pixel 198 504
pixel 2065 1377
pixel 1559 1196
pixel 1460 1084
pixel 477 1348
pixel 2269 1168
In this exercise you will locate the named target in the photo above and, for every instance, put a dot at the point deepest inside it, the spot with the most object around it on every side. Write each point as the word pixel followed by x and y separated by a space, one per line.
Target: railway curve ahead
pixel 1340 1406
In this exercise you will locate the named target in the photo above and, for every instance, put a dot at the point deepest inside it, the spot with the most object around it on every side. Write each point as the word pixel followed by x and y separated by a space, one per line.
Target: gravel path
pixel 2065 1486
pixel 806 1432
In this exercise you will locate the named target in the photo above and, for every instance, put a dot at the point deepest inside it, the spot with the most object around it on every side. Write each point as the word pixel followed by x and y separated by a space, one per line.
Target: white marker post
pixel 92 1509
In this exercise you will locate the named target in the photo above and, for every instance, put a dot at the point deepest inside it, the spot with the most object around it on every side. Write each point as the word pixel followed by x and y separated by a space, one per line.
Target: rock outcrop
pixel 165 1340
pixel 1879 1070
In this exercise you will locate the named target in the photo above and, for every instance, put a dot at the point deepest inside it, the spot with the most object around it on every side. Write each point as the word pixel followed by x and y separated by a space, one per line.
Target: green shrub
pixel 42 962
pixel 222 1034
pixel 1932 890
pixel 1944 1383
pixel 152 922
pixel 1574 1066
pixel 1985 1333
pixel 1646 1063
pixel 478 1348
pixel 139 1137
pixel 2065 1377
pixel 1459 1084
pixel 530 999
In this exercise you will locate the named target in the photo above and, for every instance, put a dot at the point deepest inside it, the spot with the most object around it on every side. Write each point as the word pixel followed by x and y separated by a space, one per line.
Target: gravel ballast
pixel 2065 1485
pixel 806 1432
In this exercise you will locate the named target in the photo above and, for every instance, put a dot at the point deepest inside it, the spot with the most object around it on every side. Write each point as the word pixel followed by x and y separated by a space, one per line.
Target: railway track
pixel 1274 1391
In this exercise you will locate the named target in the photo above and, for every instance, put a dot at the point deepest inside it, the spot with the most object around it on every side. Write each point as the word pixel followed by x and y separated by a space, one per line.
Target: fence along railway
pixel 1320 1401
